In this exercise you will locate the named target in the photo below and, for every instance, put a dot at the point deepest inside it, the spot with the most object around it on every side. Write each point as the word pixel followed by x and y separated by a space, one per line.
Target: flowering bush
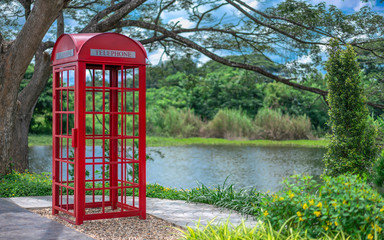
pixel 18 184
pixel 344 203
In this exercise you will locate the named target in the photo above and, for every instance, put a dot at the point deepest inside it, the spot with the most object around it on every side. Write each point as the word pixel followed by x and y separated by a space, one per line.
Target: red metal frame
pixel 98 127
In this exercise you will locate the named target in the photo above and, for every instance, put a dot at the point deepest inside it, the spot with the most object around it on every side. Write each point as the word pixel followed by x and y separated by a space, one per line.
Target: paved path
pixel 176 211
pixel 18 223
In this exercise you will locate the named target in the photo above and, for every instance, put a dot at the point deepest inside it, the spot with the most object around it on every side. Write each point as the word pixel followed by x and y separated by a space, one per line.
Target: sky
pixel 347 6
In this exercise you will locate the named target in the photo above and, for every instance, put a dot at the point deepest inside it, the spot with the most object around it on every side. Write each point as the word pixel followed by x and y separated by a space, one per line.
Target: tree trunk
pixel 19 141
pixel 16 108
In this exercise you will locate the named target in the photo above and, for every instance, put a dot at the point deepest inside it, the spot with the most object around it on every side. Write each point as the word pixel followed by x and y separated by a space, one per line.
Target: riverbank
pixel 46 140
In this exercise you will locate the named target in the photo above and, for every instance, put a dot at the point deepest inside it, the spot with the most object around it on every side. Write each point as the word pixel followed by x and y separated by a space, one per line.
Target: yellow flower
pixel 299 214
pixel 325 228
pixel 317 213
pixel 305 206
pixel 334 204
pixel 370 236
pixel 344 202
pixel 291 195
pixel 378 228
pixel 301 219
pixel 266 213
pixel 319 205
pixel 311 202
pixel 281 198
pixel 336 224
pixel 382 209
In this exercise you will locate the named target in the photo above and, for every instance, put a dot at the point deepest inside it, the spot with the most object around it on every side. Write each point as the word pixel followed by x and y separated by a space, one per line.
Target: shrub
pixel 174 122
pixel 352 146
pixel 378 172
pixel 18 184
pixel 344 203
pixel 243 200
pixel 275 125
pixel 262 231
pixel 230 124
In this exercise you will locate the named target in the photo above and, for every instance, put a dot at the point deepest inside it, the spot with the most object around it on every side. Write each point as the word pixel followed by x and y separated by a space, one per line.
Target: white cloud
pixel 156 56
pixel 203 59
pixel 252 3
pixel 185 23
pixel 304 59
pixel 352 4
pixel 360 5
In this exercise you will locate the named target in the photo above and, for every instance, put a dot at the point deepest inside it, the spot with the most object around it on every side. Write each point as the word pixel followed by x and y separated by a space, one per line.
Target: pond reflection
pixel 182 166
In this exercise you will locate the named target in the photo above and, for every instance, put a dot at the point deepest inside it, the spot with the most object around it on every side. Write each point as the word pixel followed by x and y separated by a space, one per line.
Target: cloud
pixel 203 59
pixel 185 23
pixel 345 4
pixel 156 56
pixel 304 59
pixel 252 3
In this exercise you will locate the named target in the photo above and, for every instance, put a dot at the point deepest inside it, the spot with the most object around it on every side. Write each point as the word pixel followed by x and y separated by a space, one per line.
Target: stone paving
pixel 175 211
pixel 18 223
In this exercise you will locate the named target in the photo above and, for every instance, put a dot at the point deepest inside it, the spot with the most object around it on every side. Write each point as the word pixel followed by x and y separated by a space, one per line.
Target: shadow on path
pixel 19 223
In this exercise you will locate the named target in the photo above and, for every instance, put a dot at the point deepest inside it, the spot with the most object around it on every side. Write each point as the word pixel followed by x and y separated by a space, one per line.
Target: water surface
pixel 182 166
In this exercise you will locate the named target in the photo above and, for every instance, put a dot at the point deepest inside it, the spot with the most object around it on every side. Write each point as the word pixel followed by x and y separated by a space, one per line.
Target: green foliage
pixel 262 231
pixel 352 145
pixel 165 97
pixel 230 124
pixel 344 203
pixel 174 122
pixel 158 191
pixel 41 122
pixel 275 125
pixel 172 72
pixel 230 88
pixel 294 102
pixel 245 201
pixel 152 141
pixel 18 184
pixel 378 171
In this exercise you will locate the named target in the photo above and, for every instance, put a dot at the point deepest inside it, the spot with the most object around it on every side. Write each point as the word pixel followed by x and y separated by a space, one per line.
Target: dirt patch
pixel 129 228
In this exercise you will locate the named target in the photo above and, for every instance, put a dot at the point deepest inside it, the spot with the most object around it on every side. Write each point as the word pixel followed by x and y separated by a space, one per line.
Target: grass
pixel 244 201
pixel 46 140
pixel 164 141
pixel 39 140
pixel 261 231
pixel 25 184
pixel 275 125
pixel 230 124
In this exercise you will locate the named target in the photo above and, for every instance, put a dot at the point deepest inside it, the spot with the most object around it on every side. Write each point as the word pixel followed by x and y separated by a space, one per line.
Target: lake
pixel 184 166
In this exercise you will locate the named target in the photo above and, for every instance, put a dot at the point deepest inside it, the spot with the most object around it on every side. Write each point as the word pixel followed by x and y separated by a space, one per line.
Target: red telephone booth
pixel 98 127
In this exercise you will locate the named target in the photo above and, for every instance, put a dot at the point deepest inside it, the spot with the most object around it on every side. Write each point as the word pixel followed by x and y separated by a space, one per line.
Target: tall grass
pixel 275 125
pixel 227 123
pixel 174 122
pixel 261 231
pixel 230 124
pixel 245 201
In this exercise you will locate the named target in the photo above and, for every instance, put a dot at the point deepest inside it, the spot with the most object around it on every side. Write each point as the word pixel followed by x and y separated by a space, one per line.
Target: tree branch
pixel 272 27
pixel 215 57
pixel 121 10
pixel 29 95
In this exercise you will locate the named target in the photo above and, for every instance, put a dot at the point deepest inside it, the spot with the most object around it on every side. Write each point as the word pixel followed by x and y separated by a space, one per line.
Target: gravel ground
pixel 129 228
